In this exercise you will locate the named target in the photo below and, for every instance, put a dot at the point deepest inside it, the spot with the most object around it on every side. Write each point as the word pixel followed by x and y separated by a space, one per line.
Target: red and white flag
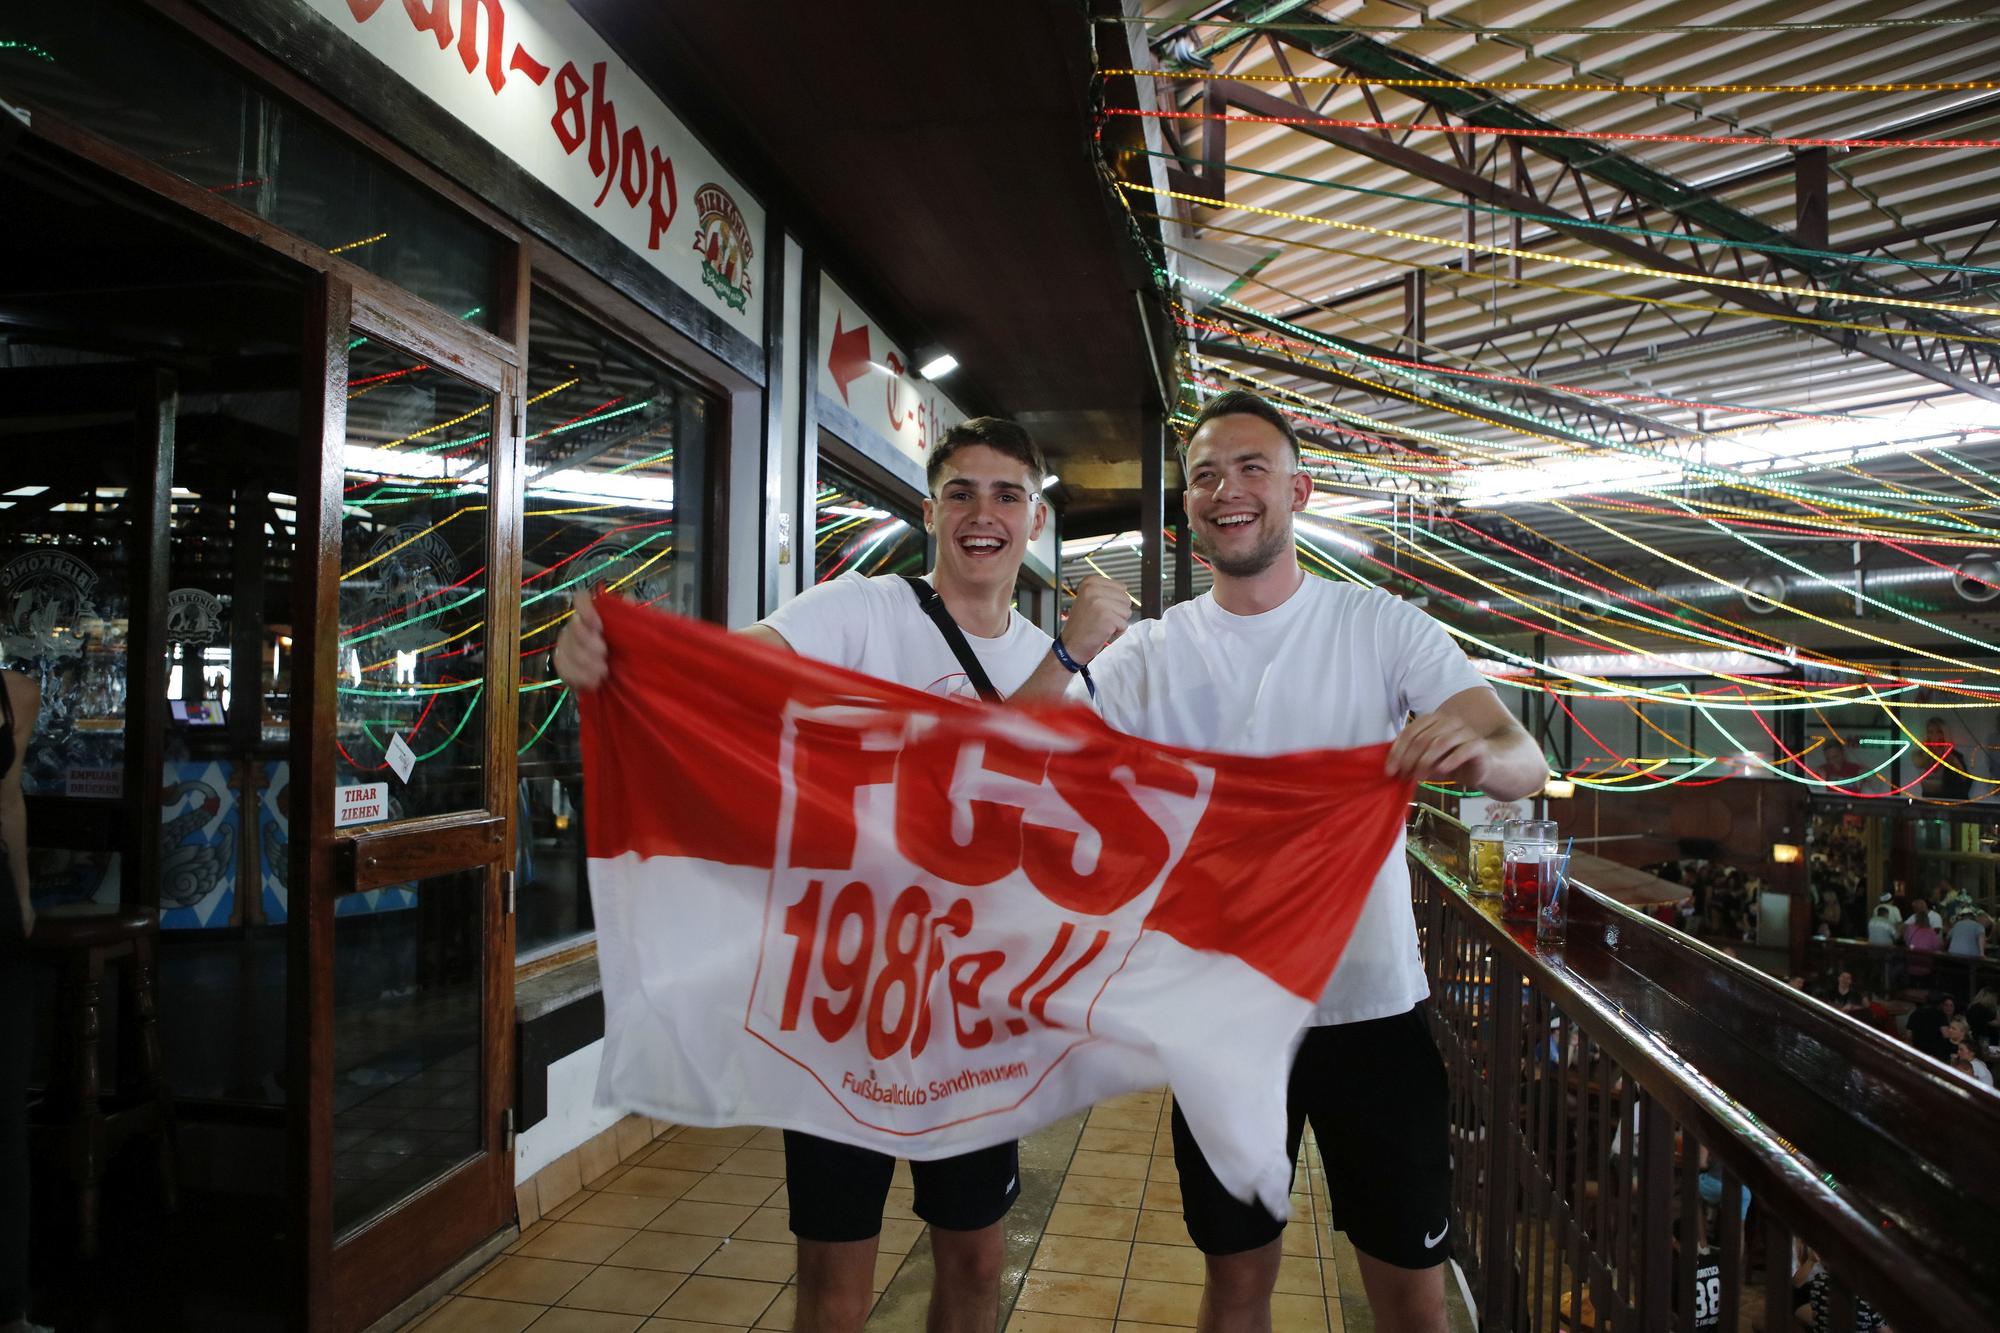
pixel 925 926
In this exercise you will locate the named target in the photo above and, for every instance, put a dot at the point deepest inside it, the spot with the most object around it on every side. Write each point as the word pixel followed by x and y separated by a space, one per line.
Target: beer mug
pixel 1529 850
pixel 1488 853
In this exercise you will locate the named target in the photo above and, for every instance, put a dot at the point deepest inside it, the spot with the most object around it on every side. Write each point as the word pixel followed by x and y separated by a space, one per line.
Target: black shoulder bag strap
pixel 954 637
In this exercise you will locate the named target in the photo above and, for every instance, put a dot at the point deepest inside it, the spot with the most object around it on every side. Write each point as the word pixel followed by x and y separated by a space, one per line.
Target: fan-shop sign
pixel 531 78
pixel 876 381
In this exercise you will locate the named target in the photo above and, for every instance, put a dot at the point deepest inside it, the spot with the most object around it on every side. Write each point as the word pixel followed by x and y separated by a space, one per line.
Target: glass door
pixel 408 932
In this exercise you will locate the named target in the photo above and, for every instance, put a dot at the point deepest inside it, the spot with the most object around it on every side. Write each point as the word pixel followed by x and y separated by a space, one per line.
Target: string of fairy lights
pixel 1435 478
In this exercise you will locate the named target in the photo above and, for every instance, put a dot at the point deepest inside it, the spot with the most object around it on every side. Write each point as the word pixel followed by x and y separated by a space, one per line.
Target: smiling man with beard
pixel 984 508
pixel 1270 661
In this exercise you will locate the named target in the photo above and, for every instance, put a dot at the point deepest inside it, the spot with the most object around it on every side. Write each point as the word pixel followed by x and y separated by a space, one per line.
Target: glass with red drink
pixel 1530 846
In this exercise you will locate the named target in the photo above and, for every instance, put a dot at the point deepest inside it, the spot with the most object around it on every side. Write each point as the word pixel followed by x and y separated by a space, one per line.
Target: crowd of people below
pixel 1903 997
pixel 1967 1039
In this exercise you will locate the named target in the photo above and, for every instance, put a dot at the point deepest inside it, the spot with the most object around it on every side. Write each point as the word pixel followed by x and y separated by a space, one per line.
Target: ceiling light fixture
pixel 934 363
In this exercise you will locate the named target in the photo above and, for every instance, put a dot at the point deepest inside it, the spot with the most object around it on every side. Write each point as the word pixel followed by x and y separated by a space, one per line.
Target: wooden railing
pixel 1642 1127
pixel 1886 969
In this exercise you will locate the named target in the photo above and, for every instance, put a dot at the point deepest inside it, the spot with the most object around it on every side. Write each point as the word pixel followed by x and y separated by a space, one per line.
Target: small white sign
pixel 94 783
pixel 402 759
pixel 363 803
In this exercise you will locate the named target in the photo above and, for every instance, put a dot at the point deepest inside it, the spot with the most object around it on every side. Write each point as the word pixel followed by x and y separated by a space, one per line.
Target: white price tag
pixel 402 759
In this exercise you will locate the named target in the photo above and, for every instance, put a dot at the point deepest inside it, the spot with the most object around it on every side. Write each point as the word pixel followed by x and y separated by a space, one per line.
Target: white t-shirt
pixel 875 626
pixel 1883 930
pixel 1336 666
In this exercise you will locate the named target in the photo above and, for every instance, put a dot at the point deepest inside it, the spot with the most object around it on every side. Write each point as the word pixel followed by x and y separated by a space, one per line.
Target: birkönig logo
pixel 722 239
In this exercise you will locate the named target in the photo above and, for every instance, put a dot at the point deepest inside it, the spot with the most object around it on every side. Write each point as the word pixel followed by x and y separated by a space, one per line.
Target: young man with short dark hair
pixel 1272 661
pixel 985 506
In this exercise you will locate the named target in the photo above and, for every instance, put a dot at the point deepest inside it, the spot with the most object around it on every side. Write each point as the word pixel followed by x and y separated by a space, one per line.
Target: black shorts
pixel 836 1191
pixel 1376 1095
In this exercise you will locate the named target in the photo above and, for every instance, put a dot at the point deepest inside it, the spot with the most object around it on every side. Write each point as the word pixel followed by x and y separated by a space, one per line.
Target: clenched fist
pixel 1099 614
pixel 581 659
pixel 1438 746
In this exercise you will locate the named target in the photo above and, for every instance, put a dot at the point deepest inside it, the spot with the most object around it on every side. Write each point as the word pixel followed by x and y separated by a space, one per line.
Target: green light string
pixel 37 52
pixel 1718 475
pixel 1550 220
pixel 1321 27
pixel 470 708
pixel 1606 689
pixel 1644 619
pixel 1752 756
pixel 607 562
pixel 405 691
pixel 581 422
pixel 1615 788
pixel 412 621
pixel 1858 592
pixel 467 315
pixel 1451 389
pixel 1660 625
pixel 1957 526
pixel 556 708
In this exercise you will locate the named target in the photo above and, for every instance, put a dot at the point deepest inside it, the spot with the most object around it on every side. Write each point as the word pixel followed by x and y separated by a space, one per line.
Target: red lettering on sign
pixel 663 175
pixel 431 16
pixel 568 122
pixel 632 166
pixel 468 39
pixel 895 392
pixel 536 71
pixel 618 156
pixel 603 133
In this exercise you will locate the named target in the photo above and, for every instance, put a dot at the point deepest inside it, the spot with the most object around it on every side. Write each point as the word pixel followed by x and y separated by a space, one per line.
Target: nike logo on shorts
pixel 1431 1242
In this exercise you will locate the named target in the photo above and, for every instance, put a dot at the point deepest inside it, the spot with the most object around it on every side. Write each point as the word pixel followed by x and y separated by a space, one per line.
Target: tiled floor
pixel 689 1236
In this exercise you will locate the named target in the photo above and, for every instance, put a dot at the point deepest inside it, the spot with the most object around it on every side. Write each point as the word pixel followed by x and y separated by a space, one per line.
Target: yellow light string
pixel 1767 693
pixel 373 561
pixel 1961 527
pixel 1797 611
pixel 1815 523
pixel 1456 279
pixel 1512 252
pixel 1294 351
pixel 1647 89
pixel 356 245
pixel 1100 569
pixel 1941 761
pixel 442 425
pixel 1439 562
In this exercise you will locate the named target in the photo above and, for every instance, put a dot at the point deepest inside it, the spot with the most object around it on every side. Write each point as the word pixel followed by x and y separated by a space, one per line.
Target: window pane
pixel 406 1028
pixel 126 74
pixel 413 583
pixel 614 441
pixel 856 528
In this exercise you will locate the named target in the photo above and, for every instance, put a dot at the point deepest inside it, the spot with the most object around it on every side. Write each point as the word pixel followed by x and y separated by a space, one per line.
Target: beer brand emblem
pixel 45 598
pixel 722 239
pixel 194 615
pixel 414 570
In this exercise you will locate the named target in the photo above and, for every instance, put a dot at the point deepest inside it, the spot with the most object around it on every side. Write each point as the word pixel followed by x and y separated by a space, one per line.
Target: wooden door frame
pixel 346 1284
